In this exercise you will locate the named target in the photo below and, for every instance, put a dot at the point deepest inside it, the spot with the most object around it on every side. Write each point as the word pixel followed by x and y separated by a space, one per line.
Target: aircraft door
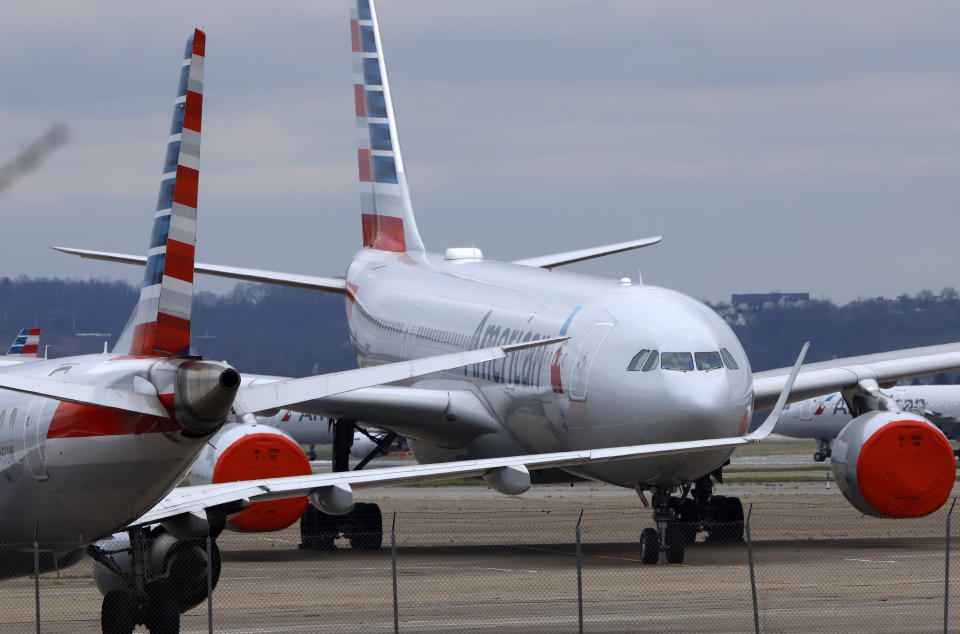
pixel 34 440
pixel 584 360
pixel 806 411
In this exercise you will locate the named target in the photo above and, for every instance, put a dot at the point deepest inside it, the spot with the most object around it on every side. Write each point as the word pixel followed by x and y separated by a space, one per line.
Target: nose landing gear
pixel 680 518
pixel 823 450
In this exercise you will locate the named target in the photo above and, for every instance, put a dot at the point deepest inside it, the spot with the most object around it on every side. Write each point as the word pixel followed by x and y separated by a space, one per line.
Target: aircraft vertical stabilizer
pixel 387 213
pixel 160 323
pixel 27 343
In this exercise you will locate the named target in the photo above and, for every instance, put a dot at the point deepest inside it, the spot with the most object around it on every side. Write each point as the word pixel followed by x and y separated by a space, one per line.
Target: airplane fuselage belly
pixel 573 395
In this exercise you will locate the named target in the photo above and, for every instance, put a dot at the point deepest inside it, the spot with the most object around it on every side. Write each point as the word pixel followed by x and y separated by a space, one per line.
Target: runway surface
pixel 469 559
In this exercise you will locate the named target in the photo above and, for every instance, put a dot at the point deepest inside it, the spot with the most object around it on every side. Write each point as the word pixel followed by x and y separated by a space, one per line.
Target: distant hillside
pixel 276 330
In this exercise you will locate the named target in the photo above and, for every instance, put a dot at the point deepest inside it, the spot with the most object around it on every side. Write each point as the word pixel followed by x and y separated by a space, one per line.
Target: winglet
pixel 161 321
pixel 764 430
pixel 27 343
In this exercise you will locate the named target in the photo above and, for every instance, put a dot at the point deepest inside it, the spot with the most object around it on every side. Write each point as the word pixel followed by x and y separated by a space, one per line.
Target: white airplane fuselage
pixel 71 474
pixel 824 416
pixel 575 395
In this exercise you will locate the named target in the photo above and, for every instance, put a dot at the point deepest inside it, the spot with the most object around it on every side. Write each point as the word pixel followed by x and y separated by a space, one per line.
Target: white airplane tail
pixel 386 211
pixel 160 324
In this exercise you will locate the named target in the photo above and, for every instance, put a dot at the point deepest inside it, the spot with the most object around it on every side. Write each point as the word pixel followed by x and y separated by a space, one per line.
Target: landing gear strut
pixel 823 450
pixel 680 517
pixel 363 526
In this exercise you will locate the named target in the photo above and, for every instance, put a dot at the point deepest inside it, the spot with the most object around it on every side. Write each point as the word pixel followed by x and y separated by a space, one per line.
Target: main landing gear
pixel 680 517
pixel 363 526
pixel 823 450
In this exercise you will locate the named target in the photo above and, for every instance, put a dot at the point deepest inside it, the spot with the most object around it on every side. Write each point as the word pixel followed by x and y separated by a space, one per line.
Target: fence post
pixel 393 550
pixel 209 584
pixel 579 576
pixel 36 580
pixel 753 578
pixel 946 572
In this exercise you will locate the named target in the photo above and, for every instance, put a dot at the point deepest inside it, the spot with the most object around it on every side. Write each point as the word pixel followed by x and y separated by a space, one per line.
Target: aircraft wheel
pixel 117 613
pixel 676 543
pixel 819 456
pixel 162 614
pixel 367 531
pixel 726 520
pixel 649 546
pixel 688 520
pixel 317 530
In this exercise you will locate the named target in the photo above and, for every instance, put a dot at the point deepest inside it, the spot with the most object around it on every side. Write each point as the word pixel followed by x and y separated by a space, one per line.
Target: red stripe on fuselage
pixel 73 420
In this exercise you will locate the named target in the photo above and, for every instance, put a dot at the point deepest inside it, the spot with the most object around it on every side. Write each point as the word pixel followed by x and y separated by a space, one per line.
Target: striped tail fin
pixel 385 207
pixel 160 324
pixel 27 343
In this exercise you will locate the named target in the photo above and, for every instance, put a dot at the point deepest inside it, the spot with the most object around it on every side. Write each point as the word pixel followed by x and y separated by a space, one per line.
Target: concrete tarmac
pixel 469 559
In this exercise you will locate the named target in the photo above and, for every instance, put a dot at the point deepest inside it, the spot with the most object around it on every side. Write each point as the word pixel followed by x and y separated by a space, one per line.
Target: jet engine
pixel 249 452
pixel 893 464
pixel 181 564
pixel 203 395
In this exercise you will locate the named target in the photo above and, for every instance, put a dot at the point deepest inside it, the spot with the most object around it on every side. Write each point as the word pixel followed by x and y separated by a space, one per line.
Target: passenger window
pixel 728 359
pixel 682 361
pixel 708 360
pixel 637 361
pixel 652 361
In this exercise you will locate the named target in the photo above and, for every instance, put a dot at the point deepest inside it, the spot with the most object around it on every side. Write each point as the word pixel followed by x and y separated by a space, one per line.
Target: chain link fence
pixel 809 565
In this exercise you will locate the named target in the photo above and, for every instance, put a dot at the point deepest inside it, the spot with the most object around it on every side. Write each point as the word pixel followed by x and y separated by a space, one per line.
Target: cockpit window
pixel 728 359
pixel 637 361
pixel 708 360
pixel 651 362
pixel 682 361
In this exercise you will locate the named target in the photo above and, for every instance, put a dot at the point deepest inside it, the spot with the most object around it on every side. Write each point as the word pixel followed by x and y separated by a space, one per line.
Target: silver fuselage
pixel 574 395
pixel 71 474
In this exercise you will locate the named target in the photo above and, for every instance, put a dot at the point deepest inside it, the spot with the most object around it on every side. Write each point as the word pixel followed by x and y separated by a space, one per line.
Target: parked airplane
pixel 90 443
pixel 824 417
pixel 642 364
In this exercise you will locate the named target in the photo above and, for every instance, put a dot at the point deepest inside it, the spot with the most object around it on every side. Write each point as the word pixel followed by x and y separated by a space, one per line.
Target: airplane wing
pixel 834 375
pixel 233 497
pixel 569 257
pixel 312 282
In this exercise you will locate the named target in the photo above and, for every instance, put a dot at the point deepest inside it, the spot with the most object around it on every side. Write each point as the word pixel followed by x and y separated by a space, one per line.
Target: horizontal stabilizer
pixel 569 257
pixel 86 394
pixel 260 398
pixel 326 284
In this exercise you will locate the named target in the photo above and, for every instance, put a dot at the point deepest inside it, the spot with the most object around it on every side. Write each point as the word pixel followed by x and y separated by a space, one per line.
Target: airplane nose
pixel 705 404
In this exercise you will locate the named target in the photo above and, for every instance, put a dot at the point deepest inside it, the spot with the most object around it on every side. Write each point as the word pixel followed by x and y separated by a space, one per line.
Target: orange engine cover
pixel 256 456
pixel 894 464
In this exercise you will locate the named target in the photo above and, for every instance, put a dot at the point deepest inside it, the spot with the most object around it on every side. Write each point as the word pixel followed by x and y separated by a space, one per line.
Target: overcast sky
pixel 805 146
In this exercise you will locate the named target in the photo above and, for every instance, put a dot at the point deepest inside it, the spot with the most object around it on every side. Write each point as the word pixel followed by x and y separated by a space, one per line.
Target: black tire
pixel 367 533
pixel 726 520
pixel 318 530
pixel 162 614
pixel 117 614
pixel 819 456
pixel 676 543
pixel 688 518
pixel 649 546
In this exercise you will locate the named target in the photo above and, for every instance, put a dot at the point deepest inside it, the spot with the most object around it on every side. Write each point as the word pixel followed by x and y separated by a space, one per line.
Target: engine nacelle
pixel 183 563
pixel 250 452
pixel 893 464
pixel 203 395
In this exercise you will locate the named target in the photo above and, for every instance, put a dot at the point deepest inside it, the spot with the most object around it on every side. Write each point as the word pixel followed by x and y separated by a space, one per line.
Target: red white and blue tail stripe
pixel 27 343
pixel 161 322
pixel 385 207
